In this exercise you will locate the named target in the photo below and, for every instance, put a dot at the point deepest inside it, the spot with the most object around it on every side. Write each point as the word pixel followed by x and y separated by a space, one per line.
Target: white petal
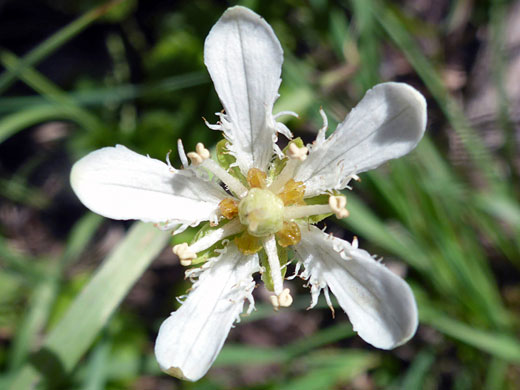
pixel 120 184
pixel 380 304
pixel 244 59
pixel 388 123
pixel 192 337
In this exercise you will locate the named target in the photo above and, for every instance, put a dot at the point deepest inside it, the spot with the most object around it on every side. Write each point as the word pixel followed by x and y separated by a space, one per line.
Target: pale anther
pixel 337 205
pixel 297 153
pixel 282 300
pixel 200 154
pixel 185 254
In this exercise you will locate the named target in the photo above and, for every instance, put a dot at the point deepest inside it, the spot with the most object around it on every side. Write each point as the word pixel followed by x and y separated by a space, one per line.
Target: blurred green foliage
pixel 457 228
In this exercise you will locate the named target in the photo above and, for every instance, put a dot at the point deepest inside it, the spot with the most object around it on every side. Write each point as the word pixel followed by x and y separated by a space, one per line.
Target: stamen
pixel 215 235
pixel 296 156
pixel 256 178
pixel 282 300
pixel 337 204
pixel 295 212
pixel 294 152
pixel 200 154
pixel 284 176
pixel 228 208
pixel 231 182
pixel 185 254
pixel 274 264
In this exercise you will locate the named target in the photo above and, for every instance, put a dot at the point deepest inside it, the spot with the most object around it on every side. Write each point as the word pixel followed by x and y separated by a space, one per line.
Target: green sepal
pixel 226 159
pixel 264 262
pixel 279 163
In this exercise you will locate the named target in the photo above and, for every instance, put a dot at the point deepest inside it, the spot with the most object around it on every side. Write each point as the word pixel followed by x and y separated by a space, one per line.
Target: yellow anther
pixel 297 153
pixel 200 154
pixel 337 205
pixel 290 234
pixel 256 178
pixel 228 208
pixel 292 193
pixel 248 244
pixel 185 254
pixel 284 299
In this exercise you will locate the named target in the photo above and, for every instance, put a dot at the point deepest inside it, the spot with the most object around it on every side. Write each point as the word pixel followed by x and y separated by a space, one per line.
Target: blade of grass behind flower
pixel 19 192
pixel 474 146
pixel 11 124
pixel 91 310
pixel 437 225
pixel 97 365
pixel 498 22
pixel 393 239
pixel 368 44
pixel 34 79
pixel 330 368
pixel 46 290
pixel 499 344
pixel 114 94
pixel 417 374
pixel 496 374
pixel 55 41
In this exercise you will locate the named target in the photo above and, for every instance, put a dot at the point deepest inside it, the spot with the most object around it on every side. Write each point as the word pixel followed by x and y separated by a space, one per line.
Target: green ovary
pixel 262 212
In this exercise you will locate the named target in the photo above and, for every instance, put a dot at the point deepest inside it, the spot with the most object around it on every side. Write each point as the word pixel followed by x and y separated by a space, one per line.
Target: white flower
pixel 273 198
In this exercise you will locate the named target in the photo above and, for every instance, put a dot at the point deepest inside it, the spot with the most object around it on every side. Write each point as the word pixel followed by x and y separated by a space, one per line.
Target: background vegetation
pixel 81 297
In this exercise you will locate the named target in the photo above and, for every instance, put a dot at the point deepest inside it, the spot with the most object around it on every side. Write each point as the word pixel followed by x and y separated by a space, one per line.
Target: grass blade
pixel 92 309
pixel 54 42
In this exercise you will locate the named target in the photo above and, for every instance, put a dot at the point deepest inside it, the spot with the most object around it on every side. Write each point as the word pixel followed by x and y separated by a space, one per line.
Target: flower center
pixel 262 212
